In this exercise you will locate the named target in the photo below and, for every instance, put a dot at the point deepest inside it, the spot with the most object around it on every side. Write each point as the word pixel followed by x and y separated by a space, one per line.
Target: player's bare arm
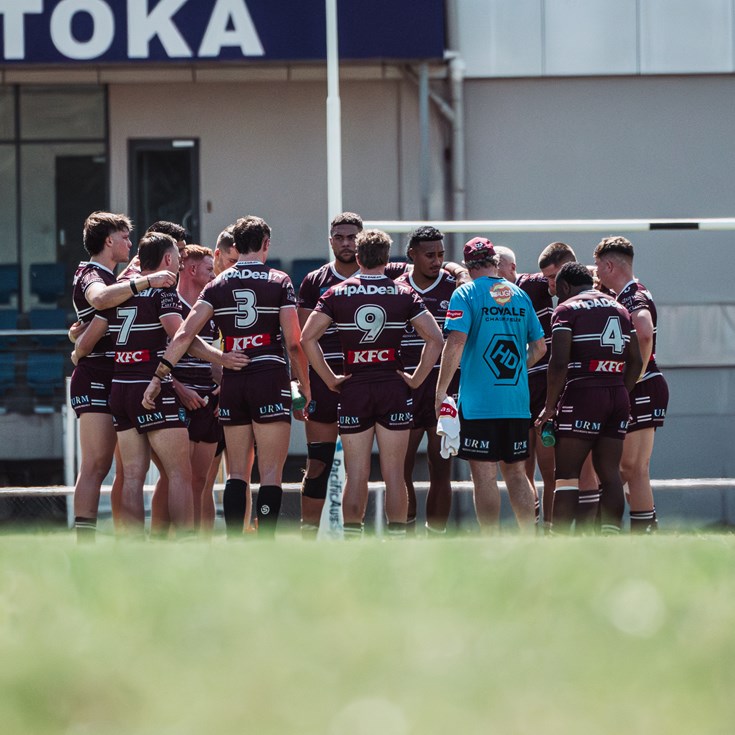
pixel 76 330
pixel 292 337
pixel 535 351
pixel 106 297
pixel 427 328
pixel 633 363
pixel 315 326
pixel 451 356
pixel 643 324
pixel 556 377
pixel 91 335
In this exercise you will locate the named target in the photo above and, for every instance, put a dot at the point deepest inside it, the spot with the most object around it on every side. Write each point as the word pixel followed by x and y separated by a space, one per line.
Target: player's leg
pixel 357 449
pixel 486 494
pixel 135 456
pixel 606 456
pixel 172 448
pixel 237 501
pixel 97 440
pixel 635 468
pixel 201 455
pixel 545 458
pixel 571 453
pixel 160 516
pixel 321 439
pixel 272 441
pixel 116 489
pixel 208 507
pixel 392 446
pixel 588 507
pixel 414 440
pixel 439 498
pixel 520 494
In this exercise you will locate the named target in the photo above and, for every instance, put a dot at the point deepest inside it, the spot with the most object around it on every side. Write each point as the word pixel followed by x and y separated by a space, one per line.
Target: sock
pixel 537 511
pixel 269 506
pixel 86 529
pixel 411 526
pixel 433 532
pixel 395 530
pixel 353 531
pixel 564 509
pixel 642 521
pixel 234 502
pixel 589 500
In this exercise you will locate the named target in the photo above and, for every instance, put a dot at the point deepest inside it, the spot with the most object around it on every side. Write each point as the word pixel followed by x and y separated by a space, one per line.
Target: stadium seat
pixel 45 373
pixel 301 267
pixel 8 320
pixel 49 319
pixel 48 281
pixel 7 372
pixel 9 281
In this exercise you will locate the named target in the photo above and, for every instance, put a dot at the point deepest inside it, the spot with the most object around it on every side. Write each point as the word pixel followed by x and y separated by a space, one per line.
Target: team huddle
pixel 193 354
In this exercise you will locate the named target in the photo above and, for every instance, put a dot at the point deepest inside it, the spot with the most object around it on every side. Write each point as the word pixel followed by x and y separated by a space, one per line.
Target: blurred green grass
pixel 504 635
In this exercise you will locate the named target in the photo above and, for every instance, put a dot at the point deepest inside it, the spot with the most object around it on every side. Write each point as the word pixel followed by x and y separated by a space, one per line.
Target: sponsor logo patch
pixel 125 358
pixel 606 366
pixel 244 343
pixel 454 314
pixel 364 357
pixel 502 293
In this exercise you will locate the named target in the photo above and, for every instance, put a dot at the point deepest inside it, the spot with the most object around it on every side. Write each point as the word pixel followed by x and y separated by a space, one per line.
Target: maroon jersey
pixel 633 297
pixel 396 268
pixel 193 371
pixel 132 270
pixel 536 285
pixel 86 274
pixel 313 287
pixel 247 300
pixel 601 330
pixel 371 313
pixel 436 297
pixel 138 334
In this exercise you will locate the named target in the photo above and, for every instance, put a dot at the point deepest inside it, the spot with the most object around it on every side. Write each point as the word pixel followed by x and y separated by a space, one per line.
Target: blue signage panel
pixel 113 31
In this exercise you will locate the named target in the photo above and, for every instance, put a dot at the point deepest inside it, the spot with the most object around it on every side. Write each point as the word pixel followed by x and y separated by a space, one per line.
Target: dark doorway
pixel 81 188
pixel 164 183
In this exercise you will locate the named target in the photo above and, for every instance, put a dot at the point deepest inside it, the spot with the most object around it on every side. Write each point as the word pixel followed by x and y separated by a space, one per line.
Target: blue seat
pixel 9 282
pixel 48 319
pixel 8 320
pixel 45 373
pixel 48 281
pixel 303 266
pixel 7 372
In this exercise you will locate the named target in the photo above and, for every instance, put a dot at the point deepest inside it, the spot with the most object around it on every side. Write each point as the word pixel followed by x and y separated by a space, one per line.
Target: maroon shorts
pixel 126 403
pixel 648 403
pixel 203 424
pixel 323 406
pixel 537 389
pixel 90 387
pixel 586 412
pixel 362 405
pixel 263 397
pixel 424 398
pixel 493 440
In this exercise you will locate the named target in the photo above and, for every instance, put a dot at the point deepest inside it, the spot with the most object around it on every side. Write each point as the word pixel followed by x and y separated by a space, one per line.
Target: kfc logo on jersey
pixel 125 358
pixel 606 366
pixel 364 357
pixel 502 293
pixel 244 343
pixel 454 313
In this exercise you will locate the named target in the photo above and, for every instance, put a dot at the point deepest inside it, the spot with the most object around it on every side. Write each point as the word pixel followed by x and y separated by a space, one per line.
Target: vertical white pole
pixel 334 119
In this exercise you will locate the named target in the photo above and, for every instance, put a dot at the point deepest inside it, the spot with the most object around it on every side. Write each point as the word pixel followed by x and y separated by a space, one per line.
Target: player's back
pixel 536 285
pixel 633 297
pixel 370 312
pixel 600 329
pixel 247 301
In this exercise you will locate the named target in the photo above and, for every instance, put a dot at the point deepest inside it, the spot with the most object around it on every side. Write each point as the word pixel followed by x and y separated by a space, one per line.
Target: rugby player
pixel 140 328
pixel 650 397
pixel 175 230
pixel 594 364
pixel 370 312
pixel 106 239
pixel 494 334
pixel 435 286
pixel 254 307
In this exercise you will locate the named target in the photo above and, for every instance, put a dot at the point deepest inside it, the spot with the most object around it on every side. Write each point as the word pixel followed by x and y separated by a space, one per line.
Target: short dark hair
pixel 99 226
pixel 346 218
pixel 225 239
pixel 575 274
pixel 373 248
pixel 249 233
pixel 168 228
pixel 556 253
pixel 152 247
pixel 614 245
pixel 425 233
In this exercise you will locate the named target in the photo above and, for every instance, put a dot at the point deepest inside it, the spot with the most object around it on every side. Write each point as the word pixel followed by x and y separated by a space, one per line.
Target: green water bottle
pixel 548 437
pixel 298 399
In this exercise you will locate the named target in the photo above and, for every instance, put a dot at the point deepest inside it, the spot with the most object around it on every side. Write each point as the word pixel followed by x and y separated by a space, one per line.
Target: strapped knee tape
pixel 316 487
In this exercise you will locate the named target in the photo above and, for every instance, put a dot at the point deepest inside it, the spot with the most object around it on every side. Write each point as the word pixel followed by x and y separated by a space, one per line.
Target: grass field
pixel 504 635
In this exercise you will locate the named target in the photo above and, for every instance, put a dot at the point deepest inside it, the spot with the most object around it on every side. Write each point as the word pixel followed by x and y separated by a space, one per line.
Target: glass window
pixel 7 114
pixel 61 114
pixel 8 202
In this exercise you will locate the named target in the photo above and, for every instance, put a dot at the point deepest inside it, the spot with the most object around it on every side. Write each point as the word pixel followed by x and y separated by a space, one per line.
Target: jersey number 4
pixel 612 335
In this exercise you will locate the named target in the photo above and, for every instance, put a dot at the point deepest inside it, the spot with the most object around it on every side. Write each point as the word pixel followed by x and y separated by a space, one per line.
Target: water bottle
pixel 298 399
pixel 548 437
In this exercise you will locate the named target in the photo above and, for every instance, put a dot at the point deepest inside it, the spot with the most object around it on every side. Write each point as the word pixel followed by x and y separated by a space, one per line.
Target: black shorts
pixel 203 424
pixel 263 397
pixel 126 403
pixel 323 406
pixel 537 391
pixel 424 398
pixel 362 405
pixel 648 403
pixel 588 412
pixel 91 384
pixel 493 440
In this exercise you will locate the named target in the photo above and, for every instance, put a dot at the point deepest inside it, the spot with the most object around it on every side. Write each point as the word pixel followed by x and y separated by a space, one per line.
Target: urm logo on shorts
pixel 77 401
pixel 349 420
pixel 476 444
pixel 587 425
pixel 149 418
pixel 271 408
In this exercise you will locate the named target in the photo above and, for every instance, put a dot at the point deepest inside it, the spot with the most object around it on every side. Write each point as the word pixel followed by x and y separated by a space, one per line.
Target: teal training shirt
pixel 499 321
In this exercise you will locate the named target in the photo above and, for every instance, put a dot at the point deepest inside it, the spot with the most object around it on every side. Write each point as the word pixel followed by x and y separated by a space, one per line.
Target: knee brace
pixel 316 487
